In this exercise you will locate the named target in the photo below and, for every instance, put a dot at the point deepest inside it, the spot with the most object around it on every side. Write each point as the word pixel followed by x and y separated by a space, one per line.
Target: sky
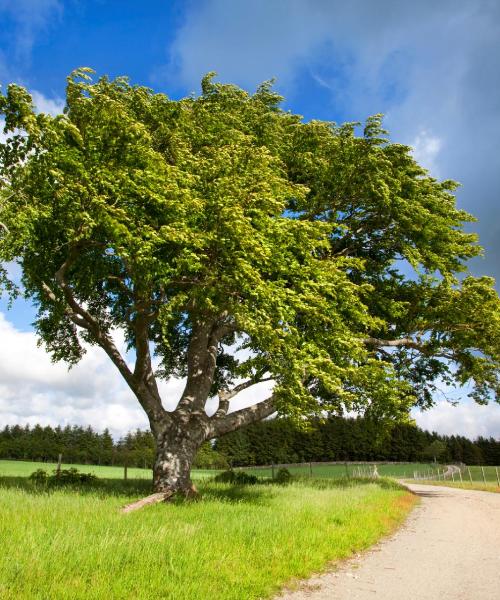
pixel 433 69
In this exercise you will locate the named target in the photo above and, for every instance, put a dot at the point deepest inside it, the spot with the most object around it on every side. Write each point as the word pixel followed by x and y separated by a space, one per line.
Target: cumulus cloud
pixel 467 419
pixel 35 390
pixel 50 106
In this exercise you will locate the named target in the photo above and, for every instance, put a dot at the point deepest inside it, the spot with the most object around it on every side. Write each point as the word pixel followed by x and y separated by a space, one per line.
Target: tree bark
pixel 175 451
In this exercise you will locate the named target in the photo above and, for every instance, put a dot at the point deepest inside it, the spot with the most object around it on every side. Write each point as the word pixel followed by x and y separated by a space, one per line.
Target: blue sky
pixel 433 68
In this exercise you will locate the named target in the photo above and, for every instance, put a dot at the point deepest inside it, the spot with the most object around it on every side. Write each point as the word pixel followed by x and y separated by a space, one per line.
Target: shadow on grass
pixel 100 487
pixel 260 493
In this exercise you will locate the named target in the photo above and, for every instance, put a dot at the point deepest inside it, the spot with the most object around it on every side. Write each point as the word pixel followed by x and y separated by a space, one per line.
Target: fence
pixel 461 474
pixel 400 470
pixel 336 469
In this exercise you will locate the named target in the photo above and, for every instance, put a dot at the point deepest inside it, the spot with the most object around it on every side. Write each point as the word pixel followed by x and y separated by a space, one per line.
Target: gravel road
pixel 448 549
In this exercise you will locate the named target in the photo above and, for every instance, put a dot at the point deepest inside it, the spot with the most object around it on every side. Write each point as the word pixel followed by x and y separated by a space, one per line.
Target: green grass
pixel 20 468
pixel 236 543
pixel 351 470
pixel 477 475
pixel 14 468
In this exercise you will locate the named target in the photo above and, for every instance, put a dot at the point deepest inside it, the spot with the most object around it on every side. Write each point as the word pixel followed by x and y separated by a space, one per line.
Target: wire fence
pixel 461 473
pixel 416 471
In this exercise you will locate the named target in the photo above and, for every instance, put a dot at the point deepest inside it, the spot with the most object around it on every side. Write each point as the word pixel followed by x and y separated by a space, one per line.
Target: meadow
pixel 334 471
pixel 16 468
pixel 236 542
pixel 20 468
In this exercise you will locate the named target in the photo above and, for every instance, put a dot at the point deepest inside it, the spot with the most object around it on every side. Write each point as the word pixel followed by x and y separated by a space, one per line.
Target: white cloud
pixel 35 390
pixel 3 136
pixel 426 149
pixel 468 419
pixel 50 106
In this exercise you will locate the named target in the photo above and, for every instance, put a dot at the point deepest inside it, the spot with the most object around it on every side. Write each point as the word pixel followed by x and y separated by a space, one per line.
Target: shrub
pixel 64 477
pixel 72 476
pixel 283 476
pixel 39 476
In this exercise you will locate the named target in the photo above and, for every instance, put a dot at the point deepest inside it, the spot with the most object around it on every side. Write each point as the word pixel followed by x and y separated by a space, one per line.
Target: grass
pixel 238 542
pixel 351 470
pixel 14 468
pixel 477 475
pixel 465 485
pixel 20 468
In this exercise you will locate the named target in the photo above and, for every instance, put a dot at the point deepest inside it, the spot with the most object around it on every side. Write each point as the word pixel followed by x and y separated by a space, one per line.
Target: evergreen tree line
pixel 275 441
pixel 78 445
pixel 338 439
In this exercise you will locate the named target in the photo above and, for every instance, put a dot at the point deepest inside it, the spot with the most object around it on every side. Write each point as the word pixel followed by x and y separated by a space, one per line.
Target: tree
pixel 234 243
pixel 435 451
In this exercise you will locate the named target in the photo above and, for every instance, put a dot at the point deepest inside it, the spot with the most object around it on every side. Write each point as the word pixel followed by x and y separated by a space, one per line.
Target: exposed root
pixel 152 499
pixel 190 493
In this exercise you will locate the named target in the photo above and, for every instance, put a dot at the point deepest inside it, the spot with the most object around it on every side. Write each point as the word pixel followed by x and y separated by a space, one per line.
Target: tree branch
pixel 245 416
pixel 406 342
pixel 226 395
pixel 146 393
pixel 202 361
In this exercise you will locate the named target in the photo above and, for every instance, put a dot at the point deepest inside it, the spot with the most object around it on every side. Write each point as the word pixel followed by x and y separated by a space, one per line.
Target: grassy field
pixel 477 475
pixel 237 542
pixel 19 468
pixel 24 468
pixel 351 470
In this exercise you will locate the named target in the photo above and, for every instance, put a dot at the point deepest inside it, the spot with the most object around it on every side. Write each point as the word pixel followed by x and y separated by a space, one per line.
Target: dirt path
pixel 449 549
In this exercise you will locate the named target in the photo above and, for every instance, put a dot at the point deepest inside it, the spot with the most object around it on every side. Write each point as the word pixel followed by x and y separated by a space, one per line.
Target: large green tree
pixel 234 243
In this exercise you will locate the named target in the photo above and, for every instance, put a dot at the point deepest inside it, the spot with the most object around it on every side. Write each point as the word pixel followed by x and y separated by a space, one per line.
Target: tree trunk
pixel 172 467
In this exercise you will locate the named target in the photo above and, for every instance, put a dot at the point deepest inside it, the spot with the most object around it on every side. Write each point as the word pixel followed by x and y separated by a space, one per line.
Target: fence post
pixel 460 473
pixel 470 474
pixel 346 470
pixel 453 476
pixel 125 467
pixel 310 469
pixel 58 468
pixel 498 478
pixel 484 476
pixel 272 470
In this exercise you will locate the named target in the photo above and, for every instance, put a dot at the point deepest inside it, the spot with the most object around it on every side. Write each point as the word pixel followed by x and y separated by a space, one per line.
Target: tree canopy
pixel 239 243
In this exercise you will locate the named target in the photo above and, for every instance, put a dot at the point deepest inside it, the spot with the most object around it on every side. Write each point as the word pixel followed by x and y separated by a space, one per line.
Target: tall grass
pixel 237 543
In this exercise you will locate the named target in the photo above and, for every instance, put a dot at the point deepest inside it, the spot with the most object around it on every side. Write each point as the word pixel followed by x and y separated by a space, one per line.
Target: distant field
pixel 349 470
pixel 489 472
pixel 14 468
pixel 18 468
